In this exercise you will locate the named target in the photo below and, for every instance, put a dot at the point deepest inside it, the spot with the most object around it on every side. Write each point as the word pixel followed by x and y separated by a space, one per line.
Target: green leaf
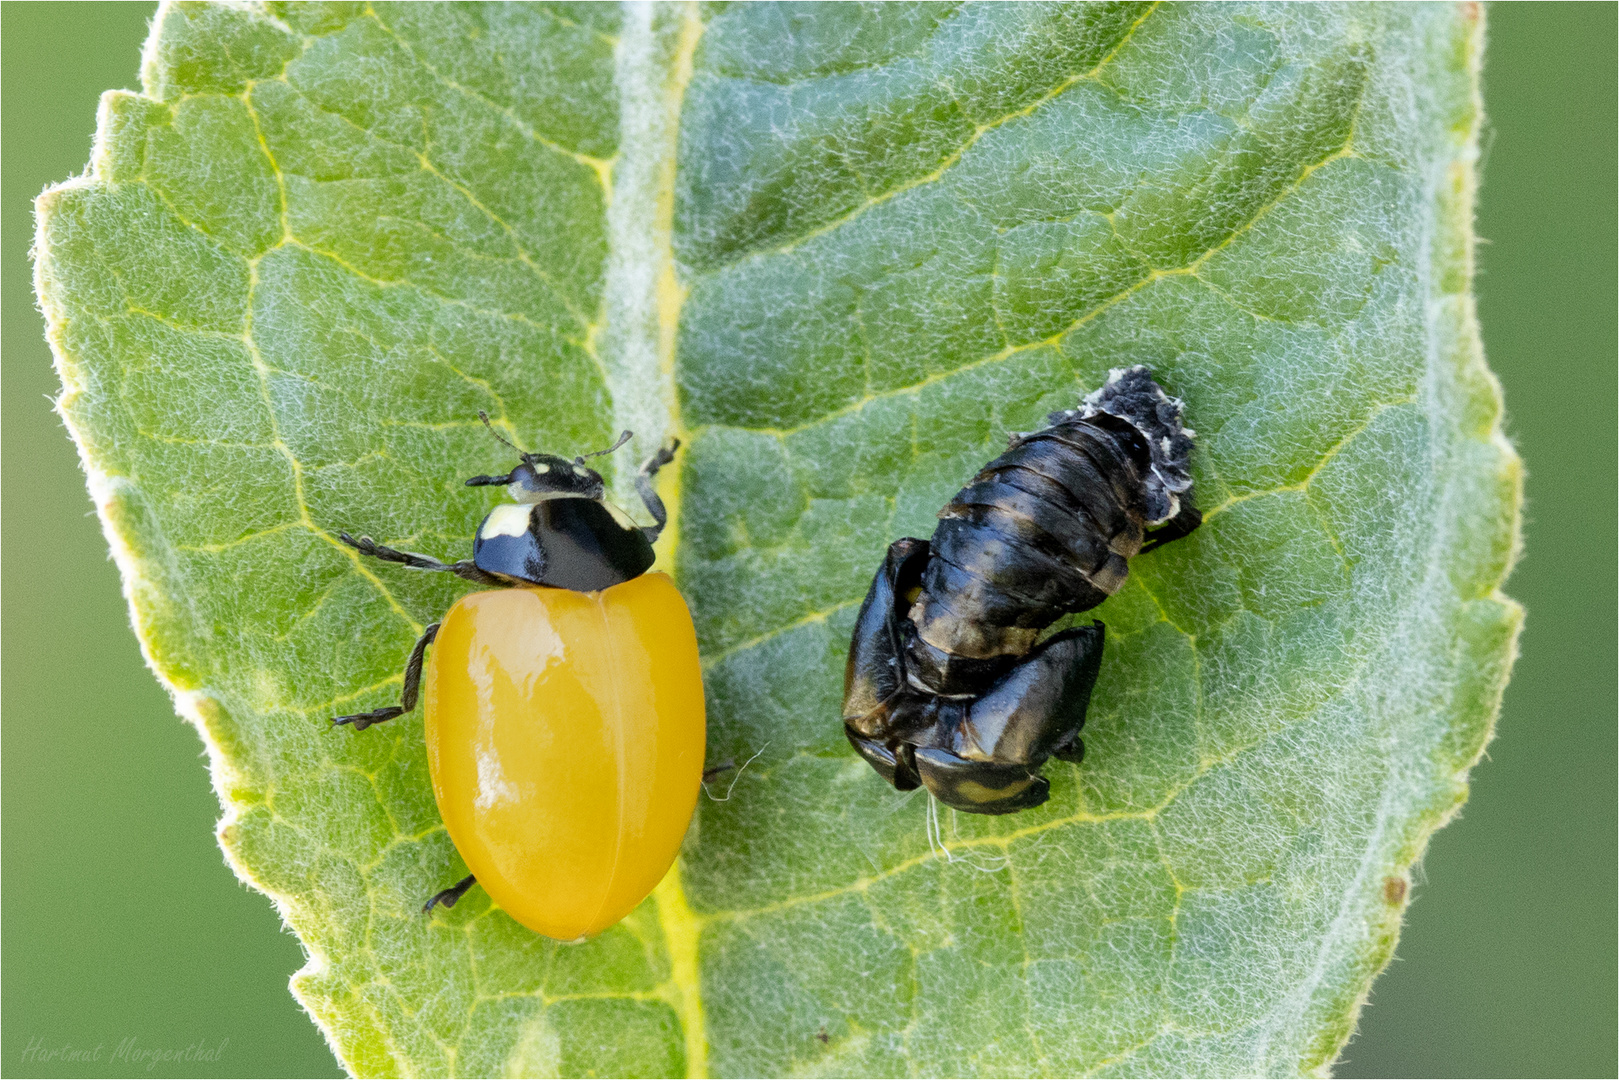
pixel 841 251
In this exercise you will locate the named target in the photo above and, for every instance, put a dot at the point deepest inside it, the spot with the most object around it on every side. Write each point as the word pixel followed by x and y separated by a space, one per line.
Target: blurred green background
pixel 121 920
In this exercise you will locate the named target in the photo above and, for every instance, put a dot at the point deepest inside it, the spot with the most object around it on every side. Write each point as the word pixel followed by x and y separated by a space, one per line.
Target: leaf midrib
pixel 640 315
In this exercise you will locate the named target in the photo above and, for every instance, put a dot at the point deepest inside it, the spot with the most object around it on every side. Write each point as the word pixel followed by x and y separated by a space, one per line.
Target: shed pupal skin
pixel 947 683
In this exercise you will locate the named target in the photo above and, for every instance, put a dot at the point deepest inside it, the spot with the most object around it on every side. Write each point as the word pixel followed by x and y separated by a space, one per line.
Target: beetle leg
pixel 367 546
pixel 449 896
pixel 468 570
pixel 463 569
pixel 649 495
pixel 407 699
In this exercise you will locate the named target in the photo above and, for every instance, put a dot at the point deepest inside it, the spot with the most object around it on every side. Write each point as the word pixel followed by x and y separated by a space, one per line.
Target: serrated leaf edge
pixel 650 405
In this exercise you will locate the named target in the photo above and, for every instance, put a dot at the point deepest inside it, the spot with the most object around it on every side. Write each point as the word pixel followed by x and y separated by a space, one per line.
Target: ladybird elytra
pixel 564 710
pixel 565 737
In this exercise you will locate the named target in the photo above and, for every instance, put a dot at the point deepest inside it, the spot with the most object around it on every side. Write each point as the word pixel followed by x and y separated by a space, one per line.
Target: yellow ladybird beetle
pixel 564 708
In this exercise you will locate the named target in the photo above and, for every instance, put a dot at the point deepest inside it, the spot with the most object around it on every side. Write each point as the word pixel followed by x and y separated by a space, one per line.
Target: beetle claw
pixel 449 896
pixel 361 721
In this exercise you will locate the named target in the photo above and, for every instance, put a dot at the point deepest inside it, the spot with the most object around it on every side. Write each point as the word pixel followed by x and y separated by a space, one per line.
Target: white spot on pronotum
pixel 507 519
pixel 541 470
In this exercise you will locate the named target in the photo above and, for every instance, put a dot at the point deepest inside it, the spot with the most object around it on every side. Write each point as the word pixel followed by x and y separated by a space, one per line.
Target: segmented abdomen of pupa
pixel 1048 527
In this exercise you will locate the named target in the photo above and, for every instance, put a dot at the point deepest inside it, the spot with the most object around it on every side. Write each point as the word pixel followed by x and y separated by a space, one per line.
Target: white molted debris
pixel 1131 394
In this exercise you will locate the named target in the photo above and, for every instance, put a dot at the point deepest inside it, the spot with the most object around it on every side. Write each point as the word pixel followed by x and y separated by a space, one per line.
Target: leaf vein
pixel 948 162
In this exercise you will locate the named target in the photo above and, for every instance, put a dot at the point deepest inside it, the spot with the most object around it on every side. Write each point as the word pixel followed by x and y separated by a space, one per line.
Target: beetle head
pixel 546 476
pixel 539 477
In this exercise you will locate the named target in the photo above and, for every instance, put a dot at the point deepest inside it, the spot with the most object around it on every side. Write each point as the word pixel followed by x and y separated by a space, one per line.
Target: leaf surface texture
pixel 841 251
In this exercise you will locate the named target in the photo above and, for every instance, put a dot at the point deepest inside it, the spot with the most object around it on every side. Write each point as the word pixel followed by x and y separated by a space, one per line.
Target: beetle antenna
pixel 623 438
pixel 520 450
pixel 485 418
